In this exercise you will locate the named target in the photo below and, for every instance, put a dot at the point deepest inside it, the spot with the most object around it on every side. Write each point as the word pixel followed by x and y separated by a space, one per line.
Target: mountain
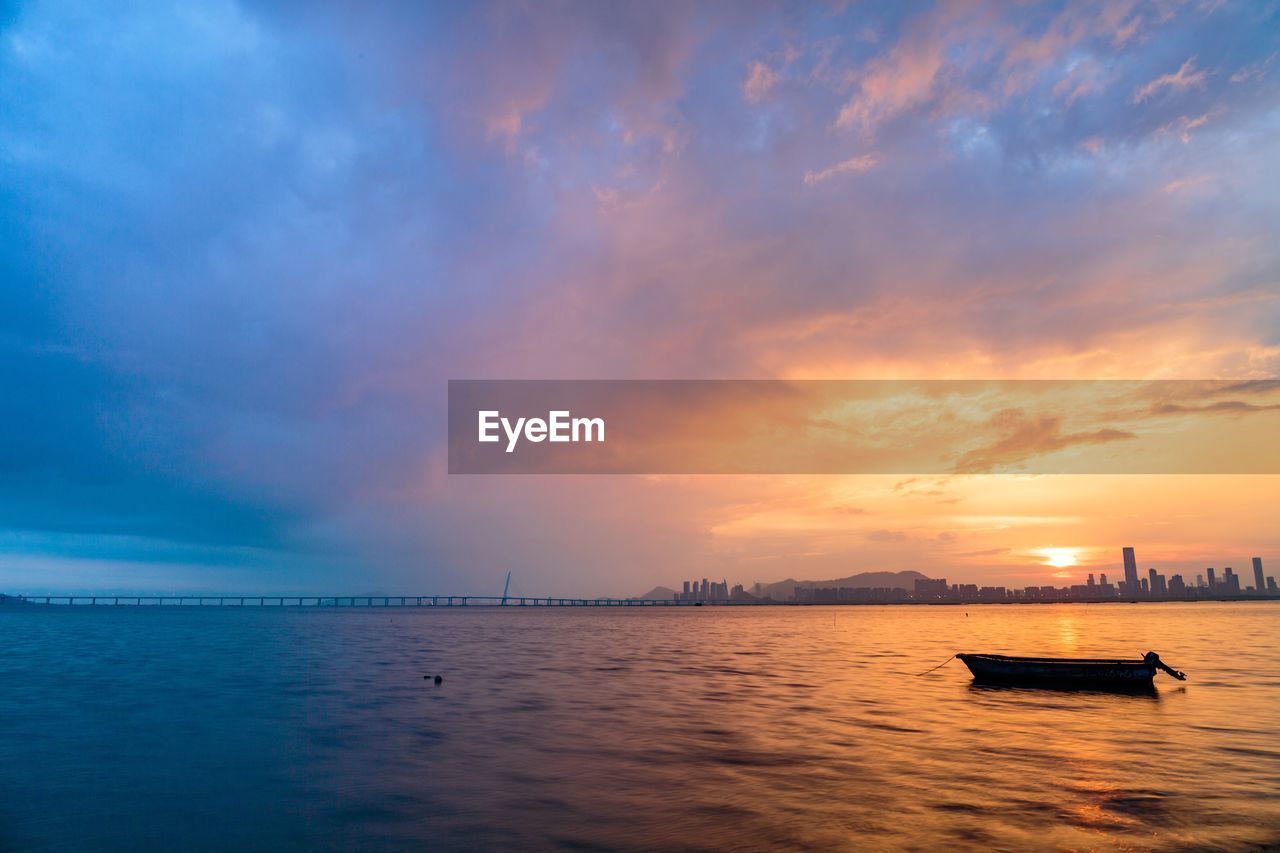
pixel 784 590
pixel 658 592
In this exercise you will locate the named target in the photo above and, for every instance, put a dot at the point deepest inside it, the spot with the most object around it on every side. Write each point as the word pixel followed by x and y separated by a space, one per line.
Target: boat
pixel 1093 673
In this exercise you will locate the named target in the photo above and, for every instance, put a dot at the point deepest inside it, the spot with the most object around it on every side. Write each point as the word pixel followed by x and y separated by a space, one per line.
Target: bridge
pixel 337 601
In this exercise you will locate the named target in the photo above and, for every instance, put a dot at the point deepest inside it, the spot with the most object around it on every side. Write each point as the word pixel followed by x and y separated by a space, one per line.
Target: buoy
pixel 439 679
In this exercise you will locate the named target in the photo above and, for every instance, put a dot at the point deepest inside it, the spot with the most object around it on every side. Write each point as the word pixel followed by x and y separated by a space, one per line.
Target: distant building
pixel 993 593
pixel 929 589
pixel 1131 585
pixel 851 595
pixel 1213 584
pixel 1259 584
pixel 704 590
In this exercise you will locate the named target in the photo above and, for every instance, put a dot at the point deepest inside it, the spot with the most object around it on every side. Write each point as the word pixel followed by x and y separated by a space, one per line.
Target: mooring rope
pixel 939 666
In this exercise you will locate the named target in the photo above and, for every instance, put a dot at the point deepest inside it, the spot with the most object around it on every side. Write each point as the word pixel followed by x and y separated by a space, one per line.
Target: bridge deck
pixel 337 601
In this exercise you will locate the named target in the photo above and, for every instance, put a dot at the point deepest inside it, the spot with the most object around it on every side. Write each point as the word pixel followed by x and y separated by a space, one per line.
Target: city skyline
pixel 1153 587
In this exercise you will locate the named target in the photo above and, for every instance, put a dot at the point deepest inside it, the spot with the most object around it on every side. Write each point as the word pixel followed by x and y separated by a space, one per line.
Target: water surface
pixel 205 728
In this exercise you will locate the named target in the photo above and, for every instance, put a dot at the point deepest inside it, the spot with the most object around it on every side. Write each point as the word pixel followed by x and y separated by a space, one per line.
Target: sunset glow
pixel 1059 558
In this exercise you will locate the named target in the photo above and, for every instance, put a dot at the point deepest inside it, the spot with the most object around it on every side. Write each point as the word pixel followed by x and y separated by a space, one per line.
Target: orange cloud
pixel 1027 437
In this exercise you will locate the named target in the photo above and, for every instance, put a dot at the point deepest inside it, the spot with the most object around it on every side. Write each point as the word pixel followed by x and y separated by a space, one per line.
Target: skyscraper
pixel 1131 585
pixel 1259 582
pixel 1213 584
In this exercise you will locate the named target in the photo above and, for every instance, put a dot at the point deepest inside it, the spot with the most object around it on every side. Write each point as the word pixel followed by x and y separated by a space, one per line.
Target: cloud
pixel 859 163
pixel 1182 184
pixel 1254 70
pixel 1224 406
pixel 1186 77
pixel 1127 30
pixel 971 62
pixel 1186 124
pixel 903 79
pixel 759 83
pixel 985 552
pixel 1253 386
pixel 1026 437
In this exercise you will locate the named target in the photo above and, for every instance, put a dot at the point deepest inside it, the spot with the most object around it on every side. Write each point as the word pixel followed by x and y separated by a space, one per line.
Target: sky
pixel 244 246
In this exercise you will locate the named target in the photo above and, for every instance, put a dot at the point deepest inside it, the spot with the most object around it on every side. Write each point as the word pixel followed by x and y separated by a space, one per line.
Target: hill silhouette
pixel 784 590
pixel 658 593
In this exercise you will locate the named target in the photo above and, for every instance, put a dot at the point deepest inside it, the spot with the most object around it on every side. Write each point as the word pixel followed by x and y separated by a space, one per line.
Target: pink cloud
pixel 1186 77
pixel 860 163
pixel 903 79
pixel 759 83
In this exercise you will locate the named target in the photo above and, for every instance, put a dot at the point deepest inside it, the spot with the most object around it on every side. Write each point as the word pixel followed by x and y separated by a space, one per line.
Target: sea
pixel 711 728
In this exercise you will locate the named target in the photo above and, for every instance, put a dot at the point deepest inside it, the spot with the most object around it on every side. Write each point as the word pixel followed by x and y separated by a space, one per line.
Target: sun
pixel 1059 558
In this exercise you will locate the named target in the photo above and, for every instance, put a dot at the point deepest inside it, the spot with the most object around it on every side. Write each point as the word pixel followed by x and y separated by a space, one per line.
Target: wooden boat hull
pixel 1060 672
